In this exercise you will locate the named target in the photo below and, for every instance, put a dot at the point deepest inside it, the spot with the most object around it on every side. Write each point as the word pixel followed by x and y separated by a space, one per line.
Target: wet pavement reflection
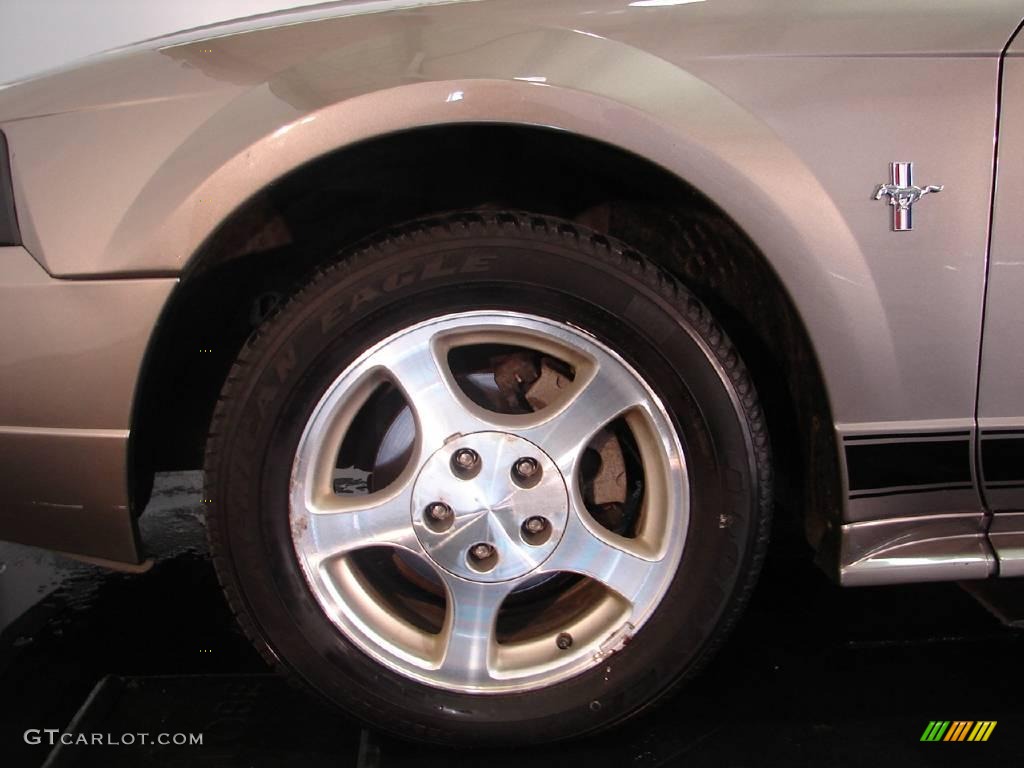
pixel 814 675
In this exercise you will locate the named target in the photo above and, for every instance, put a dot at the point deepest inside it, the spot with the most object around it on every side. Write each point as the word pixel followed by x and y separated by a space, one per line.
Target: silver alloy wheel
pixel 529 517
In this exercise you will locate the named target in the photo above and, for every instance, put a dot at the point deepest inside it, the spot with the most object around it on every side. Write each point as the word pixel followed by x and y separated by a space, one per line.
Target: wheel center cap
pixel 489 506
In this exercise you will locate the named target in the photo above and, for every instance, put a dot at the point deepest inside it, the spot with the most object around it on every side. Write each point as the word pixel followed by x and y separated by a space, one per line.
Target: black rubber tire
pixel 505 261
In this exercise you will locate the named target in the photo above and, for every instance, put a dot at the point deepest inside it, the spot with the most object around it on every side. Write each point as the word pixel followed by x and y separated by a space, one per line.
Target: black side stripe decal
pixel 906 436
pixel 1002 457
pixel 941 462
pixel 917 489
pixel 898 463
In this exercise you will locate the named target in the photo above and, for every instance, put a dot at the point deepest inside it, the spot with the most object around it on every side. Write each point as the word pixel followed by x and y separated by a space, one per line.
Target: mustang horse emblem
pixel 902 194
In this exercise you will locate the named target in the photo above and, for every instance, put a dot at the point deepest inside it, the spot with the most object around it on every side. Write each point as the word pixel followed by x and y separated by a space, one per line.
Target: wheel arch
pixel 269 242
pixel 521 96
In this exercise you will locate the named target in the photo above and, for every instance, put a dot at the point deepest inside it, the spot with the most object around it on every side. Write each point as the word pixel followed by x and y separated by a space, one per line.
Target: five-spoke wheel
pixel 490 503
pixel 489 479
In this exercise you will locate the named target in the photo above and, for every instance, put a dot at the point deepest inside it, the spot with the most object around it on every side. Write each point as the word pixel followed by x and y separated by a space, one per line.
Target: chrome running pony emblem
pixel 903 194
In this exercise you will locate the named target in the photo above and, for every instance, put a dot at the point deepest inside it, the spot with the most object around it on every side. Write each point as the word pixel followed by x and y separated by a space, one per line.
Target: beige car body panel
pixel 785 114
pixel 75 347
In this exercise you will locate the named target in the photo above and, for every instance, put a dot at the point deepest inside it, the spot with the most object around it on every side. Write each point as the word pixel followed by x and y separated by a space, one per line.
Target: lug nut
pixel 526 467
pixel 563 641
pixel 465 462
pixel 535 525
pixel 481 551
pixel 466 458
pixel 439 512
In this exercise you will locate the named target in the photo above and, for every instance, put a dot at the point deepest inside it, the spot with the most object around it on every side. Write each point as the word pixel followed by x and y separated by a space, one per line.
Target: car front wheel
pixel 489 478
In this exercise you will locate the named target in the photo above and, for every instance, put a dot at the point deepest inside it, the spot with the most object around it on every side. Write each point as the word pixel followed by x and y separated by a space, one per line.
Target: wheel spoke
pixel 339 524
pixel 440 407
pixel 565 433
pixel 587 553
pixel 469 632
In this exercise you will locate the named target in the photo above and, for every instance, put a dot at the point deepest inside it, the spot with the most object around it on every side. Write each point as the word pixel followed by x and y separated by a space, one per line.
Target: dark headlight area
pixel 9 234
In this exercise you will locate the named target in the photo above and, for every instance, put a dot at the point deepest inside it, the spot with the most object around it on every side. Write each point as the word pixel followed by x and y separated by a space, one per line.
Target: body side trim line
pixel 910 489
pixel 907 436
pixel 949 547
pixel 62 432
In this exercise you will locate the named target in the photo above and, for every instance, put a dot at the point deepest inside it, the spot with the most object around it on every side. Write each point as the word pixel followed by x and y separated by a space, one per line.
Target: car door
pixel 1001 384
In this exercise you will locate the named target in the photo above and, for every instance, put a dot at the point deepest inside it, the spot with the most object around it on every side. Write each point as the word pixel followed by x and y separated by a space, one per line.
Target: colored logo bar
pixel 958 730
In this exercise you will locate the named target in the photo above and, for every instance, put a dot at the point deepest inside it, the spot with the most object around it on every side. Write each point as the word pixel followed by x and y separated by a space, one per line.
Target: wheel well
pixel 268 245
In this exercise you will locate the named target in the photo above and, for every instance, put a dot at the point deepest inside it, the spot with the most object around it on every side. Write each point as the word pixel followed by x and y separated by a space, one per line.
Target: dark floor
pixel 814 675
